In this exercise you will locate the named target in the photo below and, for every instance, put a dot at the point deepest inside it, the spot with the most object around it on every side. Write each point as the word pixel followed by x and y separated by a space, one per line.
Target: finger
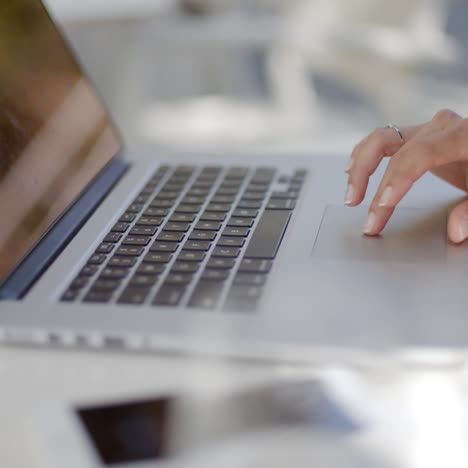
pixel 405 168
pixel 367 156
pixel 409 164
pixel 457 226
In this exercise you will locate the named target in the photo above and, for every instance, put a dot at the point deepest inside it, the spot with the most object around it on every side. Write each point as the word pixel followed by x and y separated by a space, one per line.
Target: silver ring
pixel 394 127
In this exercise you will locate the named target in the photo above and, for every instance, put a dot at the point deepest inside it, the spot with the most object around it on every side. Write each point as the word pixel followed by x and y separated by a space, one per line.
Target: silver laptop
pixel 239 254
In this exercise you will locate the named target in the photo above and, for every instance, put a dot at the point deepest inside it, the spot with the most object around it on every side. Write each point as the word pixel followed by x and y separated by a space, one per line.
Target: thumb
pixel 457 227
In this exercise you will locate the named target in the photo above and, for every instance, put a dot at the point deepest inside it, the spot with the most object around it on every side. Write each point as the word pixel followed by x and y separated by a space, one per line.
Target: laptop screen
pixel 55 135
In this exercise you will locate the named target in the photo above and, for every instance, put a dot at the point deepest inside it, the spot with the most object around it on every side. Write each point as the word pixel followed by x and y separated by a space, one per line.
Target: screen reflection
pixel 55 135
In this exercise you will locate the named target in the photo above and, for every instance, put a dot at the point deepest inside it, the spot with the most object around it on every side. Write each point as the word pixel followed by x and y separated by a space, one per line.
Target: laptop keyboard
pixel 205 237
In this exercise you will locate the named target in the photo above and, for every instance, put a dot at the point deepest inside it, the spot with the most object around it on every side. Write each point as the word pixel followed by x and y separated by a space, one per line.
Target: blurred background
pixel 269 74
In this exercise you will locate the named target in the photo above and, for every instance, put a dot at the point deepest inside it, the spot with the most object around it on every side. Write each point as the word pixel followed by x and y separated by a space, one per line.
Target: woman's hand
pixel 439 146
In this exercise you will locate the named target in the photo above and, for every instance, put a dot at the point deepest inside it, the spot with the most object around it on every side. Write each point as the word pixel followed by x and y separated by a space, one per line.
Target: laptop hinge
pixel 60 234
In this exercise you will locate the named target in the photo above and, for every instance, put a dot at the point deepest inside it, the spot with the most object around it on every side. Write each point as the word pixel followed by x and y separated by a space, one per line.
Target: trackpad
pixel 412 235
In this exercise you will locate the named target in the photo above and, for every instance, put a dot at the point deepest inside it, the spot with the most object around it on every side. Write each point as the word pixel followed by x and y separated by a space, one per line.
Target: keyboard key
pixel 254 196
pixel 178 179
pixel 245 213
pixel 188 209
pixel 245 291
pixel 98 296
pixel 120 227
pixel 243 298
pixel 184 170
pixel 105 248
pixel 149 221
pixel 215 275
pixel 257 188
pixel 135 208
pixel 104 284
pixel 236 231
pixel 193 200
pixel 208 226
pixel 125 262
pixel 240 222
pixel 249 204
pixel 225 241
pixel 189 256
pixel 157 257
pixel 230 186
pixel 79 282
pixel 143 280
pixel 202 235
pixel 134 295
pixel 144 230
pixel 203 246
pixel 168 195
pixel 214 170
pixel 221 263
pixel 155 212
pixel 161 203
pixel 169 295
pixel 114 273
pixel 218 207
pixel 136 240
pixel 226 252
pixel 112 237
pixel 206 295
pixel 178 278
pixel 70 295
pixel 226 191
pixel 300 173
pixel 228 199
pixel 265 172
pixel 176 187
pixel 141 199
pixel 96 259
pixel 127 250
pixel 182 218
pixel 198 192
pixel 88 270
pixel 164 247
pixel 237 172
pixel 281 204
pixel 250 279
pixel 289 195
pixel 203 184
pixel 249 265
pixel 184 267
pixel 268 234
pixel 207 216
pixel 150 268
pixel 166 236
pixel 127 218
pixel 148 189
pixel 176 227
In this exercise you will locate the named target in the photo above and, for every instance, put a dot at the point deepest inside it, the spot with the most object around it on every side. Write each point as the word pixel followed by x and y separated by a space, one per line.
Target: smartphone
pixel 127 434
pixel 174 430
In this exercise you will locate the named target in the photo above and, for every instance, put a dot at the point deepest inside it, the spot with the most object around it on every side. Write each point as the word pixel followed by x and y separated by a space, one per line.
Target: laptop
pixel 239 254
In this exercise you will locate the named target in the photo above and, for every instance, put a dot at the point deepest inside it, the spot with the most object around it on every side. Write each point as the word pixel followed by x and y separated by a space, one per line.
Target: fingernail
pixel 369 225
pixel 462 231
pixel 349 195
pixel 386 195
pixel 350 165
